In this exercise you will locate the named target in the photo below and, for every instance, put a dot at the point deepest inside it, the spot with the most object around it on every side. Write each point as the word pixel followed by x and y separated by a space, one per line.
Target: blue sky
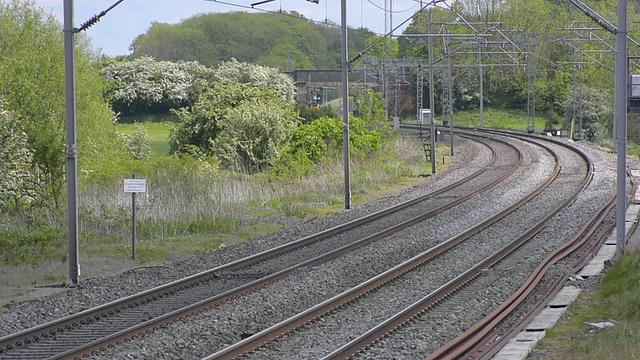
pixel 115 32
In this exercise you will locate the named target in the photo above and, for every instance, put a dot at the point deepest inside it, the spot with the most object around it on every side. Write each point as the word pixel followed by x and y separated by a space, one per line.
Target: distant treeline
pixel 268 39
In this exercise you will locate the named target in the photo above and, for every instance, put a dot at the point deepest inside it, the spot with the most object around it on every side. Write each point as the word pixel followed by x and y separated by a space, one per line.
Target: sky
pixel 114 32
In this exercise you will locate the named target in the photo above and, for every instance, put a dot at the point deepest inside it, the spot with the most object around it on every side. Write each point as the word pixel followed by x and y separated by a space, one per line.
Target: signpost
pixel 134 186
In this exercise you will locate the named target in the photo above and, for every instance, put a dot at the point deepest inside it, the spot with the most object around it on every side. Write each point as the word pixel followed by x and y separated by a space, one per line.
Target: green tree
pixel 380 50
pixel 254 134
pixel 138 143
pixel 257 76
pixel 245 126
pixel 485 11
pixel 32 84
pixel 167 42
pixel 592 107
pixel 15 158
pixel 263 38
pixel 371 109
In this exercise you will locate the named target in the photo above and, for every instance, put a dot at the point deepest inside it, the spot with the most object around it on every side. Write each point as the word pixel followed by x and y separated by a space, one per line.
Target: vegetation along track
pixel 297 293
pixel 96 329
pixel 391 299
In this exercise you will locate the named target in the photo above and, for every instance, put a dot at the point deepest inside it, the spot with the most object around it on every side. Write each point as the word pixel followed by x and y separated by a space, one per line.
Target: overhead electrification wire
pixel 324 22
pixel 394 12
pixel 241 6
pixel 360 54
pixel 95 18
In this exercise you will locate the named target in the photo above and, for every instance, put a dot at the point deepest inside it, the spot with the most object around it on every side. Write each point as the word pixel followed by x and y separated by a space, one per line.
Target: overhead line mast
pixel 71 133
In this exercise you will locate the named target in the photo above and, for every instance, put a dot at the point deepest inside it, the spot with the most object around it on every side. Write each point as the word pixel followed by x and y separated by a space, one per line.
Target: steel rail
pixel 51 329
pixel 365 340
pixel 261 338
pixel 480 340
pixel 208 304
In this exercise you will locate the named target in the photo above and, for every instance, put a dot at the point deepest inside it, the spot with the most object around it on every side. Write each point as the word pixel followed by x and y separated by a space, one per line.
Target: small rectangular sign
pixel 135 185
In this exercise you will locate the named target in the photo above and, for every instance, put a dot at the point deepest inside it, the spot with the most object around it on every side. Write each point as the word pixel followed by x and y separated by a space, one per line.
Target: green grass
pixel 618 299
pixel 190 215
pixel 150 251
pixel 159 132
pixel 498 119
pixel 633 150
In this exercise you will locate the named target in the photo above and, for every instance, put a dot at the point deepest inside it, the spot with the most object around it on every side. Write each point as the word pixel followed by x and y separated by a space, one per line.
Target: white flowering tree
pixel 148 86
pixel 245 127
pixel 258 76
pixel 593 108
pixel 15 158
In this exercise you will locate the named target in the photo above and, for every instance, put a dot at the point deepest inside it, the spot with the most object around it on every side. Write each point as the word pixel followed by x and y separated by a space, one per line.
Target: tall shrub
pixel 245 127
pixel 15 158
pixel 32 81
pixel 148 86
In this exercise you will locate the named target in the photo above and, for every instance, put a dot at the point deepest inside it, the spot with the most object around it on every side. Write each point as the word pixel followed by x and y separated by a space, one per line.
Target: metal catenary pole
pixel 432 96
pixel 345 105
pixel 72 146
pixel 480 86
pixel 133 223
pixel 621 85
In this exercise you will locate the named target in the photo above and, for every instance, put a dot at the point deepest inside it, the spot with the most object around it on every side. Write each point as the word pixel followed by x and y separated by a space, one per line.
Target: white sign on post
pixel 135 185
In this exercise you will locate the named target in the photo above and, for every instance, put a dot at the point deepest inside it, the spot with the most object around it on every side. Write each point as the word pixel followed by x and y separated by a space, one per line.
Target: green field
pixel 497 119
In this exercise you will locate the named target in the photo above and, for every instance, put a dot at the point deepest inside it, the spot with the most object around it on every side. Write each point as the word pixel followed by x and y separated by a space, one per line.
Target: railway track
pixel 390 289
pixel 233 282
pixel 93 331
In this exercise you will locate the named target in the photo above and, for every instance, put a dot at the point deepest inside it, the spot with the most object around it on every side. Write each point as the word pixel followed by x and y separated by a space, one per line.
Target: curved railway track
pixel 99 330
pixel 95 330
pixel 319 317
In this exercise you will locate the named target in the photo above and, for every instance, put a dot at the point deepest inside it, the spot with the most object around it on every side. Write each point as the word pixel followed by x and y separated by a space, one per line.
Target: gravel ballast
pixel 237 319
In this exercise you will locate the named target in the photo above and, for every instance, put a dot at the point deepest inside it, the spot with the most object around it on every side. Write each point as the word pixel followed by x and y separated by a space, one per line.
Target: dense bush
pixel 257 76
pixel 138 143
pixel 591 107
pixel 310 113
pixel 32 82
pixel 148 86
pixel 245 127
pixel 15 158
pixel 323 138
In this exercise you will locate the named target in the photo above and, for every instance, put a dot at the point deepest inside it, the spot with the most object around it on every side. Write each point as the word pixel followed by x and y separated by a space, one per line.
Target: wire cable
pixel 360 54
pixel 394 12
pixel 283 13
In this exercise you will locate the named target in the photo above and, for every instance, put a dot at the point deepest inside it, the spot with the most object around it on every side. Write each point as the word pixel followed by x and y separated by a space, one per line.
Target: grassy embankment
pixel 191 208
pixel 618 299
pixel 236 198
pixel 497 119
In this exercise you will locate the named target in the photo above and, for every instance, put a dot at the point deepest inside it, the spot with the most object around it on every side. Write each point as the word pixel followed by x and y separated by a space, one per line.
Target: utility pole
pixel 345 105
pixel 431 96
pixel 621 89
pixel 481 85
pixel 72 146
